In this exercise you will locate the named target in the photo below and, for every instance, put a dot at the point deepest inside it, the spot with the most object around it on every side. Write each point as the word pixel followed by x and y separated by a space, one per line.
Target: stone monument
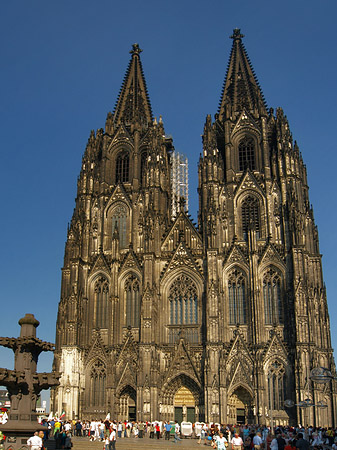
pixel 24 384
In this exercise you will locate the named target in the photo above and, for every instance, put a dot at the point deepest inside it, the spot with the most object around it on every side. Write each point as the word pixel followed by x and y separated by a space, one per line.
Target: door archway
pixel 240 406
pixel 181 400
pixel 128 404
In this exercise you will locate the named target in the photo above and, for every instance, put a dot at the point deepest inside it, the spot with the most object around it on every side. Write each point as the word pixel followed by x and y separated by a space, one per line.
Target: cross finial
pixel 135 50
pixel 237 34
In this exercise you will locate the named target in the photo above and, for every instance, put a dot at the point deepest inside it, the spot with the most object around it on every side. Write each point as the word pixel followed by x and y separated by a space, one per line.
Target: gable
pixel 182 258
pixel 182 229
pixel 248 182
pixel 120 136
pixel 245 122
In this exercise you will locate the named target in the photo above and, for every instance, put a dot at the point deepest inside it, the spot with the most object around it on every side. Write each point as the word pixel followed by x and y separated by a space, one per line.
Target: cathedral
pixel 163 319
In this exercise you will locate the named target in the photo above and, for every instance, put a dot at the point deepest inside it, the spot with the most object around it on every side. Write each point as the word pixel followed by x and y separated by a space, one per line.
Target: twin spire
pixel 241 89
pixel 133 102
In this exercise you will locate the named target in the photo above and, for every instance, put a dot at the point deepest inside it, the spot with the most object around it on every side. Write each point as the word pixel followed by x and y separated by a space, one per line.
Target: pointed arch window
pixel 97 384
pixel 276 386
pixel 247 154
pixel 101 295
pixel 183 301
pixel 122 167
pixel 237 298
pixel 132 306
pixel 272 297
pixel 250 211
pixel 119 220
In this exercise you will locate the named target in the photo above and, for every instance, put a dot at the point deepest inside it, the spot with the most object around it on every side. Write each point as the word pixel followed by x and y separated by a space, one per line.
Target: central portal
pixel 184 405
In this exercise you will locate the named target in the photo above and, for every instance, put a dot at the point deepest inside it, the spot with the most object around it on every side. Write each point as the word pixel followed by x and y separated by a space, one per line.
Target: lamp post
pixel 319 375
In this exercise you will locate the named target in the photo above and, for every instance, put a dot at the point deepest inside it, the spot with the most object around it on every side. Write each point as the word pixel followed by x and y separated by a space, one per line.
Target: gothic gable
pixel 97 349
pixel 130 262
pixel 118 194
pixel 239 350
pixel 181 363
pixel 100 264
pixel 244 123
pixel 182 227
pixel 236 256
pixel 248 182
pixel 271 256
pixel 128 376
pixel 239 375
pixel 182 258
pixel 120 136
pixel 275 347
pixel 128 352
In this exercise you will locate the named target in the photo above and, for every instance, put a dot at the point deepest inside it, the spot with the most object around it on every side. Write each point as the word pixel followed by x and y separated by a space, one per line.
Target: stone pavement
pixel 83 443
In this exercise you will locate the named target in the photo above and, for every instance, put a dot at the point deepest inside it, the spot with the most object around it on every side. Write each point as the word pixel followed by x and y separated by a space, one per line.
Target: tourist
pixel 35 442
pixel 112 439
pixel 177 432
pixel 257 441
pixel 237 442
pixel 221 442
pixel 302 444
pixel 67 443
pixel 167 427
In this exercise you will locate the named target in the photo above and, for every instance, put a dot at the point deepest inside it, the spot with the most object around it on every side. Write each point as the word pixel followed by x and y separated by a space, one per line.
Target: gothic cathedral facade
pixel 160 319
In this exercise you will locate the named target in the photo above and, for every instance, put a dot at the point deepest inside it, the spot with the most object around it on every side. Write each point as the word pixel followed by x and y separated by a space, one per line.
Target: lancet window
pixel 97 384
pixel 132 294
pixel 272 296
pixel 122 167
pixel 101 295
pixel 250 211
pixel 247 154
pixel 119 220
pixel 276 386
pixel 183 301
pixel 237 298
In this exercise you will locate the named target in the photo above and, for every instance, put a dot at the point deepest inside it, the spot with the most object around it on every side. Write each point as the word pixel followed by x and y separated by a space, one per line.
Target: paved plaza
pixel 136 443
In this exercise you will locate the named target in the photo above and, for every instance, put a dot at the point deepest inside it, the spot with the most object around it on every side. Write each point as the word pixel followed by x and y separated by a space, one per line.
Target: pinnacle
pixel 241 89
pixel 133 102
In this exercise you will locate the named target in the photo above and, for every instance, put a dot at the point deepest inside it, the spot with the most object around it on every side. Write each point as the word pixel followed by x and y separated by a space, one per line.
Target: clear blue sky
pixel 62 65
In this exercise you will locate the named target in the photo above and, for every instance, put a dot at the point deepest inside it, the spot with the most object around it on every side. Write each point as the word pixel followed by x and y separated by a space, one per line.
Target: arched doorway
pixel 239 406
pixel 181 399
pixel 184 405
pixel 128 404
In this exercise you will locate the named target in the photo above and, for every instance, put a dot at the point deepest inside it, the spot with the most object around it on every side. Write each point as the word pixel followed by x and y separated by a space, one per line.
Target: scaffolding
pixel 179 174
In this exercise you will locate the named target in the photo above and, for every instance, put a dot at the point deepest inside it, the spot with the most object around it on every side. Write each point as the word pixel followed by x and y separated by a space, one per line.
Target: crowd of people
pixel 220 437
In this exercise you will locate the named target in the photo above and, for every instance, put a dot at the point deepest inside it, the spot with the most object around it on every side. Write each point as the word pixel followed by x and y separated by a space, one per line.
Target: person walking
pixel 176 433
pixel 112 439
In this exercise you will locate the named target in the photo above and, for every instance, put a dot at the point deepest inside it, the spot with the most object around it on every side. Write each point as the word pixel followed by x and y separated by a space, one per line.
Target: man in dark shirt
pixel 301 443
pixel 281 443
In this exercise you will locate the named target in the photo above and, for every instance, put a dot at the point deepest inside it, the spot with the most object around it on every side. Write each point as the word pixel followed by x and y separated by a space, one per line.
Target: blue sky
pixel 62 65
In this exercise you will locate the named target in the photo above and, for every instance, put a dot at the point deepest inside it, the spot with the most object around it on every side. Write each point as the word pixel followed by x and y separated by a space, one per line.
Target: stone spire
pixel 133 102
pixel 241 90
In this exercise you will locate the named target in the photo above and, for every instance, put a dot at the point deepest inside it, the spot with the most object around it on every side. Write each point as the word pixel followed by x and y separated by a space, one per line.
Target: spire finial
pixel 135 49
pixel 237 34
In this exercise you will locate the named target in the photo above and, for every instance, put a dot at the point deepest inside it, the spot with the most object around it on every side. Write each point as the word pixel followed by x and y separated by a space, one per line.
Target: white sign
pixel 186 428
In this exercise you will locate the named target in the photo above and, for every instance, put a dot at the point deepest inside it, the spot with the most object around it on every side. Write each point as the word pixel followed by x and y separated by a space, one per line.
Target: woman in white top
pixel 221 442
